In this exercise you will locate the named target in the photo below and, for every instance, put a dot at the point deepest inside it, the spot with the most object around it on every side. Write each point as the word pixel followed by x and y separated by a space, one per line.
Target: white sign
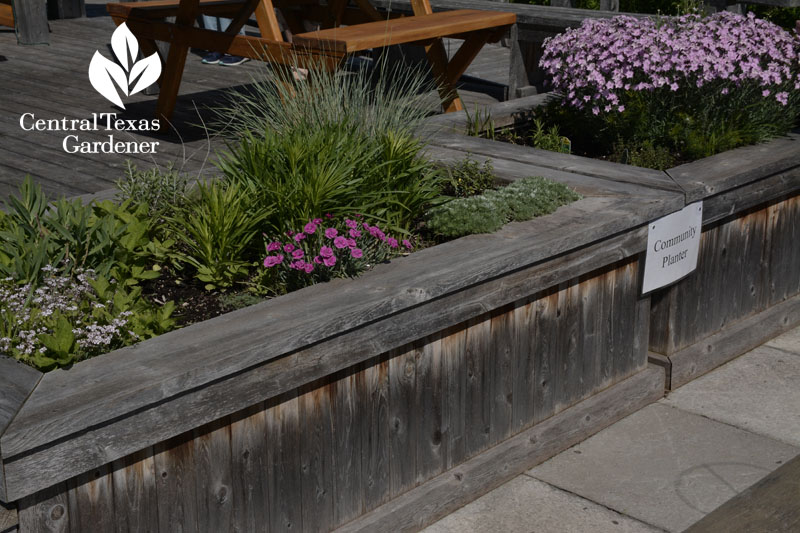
pixel 673 243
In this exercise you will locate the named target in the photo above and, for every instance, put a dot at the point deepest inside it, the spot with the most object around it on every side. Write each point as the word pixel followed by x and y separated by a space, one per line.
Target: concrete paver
pixel 665 466
pixel 526 505
pixel 759 392
pixel 789 341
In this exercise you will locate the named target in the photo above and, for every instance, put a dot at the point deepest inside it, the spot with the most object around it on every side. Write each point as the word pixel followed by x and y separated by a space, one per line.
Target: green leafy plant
pixel 110 239
pixel 215 232
pixel 468 178
pixel 643 154
pixel 162 191
pixel 480 123
pixel 486 213
pixel 549 139
pixel 71 317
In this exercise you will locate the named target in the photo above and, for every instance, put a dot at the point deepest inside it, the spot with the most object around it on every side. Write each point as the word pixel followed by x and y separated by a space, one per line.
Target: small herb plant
pixel 488 212
pixel 468 178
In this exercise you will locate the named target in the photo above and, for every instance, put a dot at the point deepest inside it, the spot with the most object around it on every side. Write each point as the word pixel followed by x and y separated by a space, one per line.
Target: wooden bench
pixel 324 48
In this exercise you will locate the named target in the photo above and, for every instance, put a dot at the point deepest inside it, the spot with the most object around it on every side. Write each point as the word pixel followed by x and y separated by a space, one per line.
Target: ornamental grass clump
pixel 696 85
pixel 325 249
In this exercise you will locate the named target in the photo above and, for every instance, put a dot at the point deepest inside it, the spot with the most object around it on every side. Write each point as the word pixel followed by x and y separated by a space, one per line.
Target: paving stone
pixel 665 466
pixel 789 341
pixel 759 392
pixel 526 505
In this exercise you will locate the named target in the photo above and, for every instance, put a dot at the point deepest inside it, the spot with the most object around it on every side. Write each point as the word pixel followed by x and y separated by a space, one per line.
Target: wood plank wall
pixel 319 456
pixel 747 263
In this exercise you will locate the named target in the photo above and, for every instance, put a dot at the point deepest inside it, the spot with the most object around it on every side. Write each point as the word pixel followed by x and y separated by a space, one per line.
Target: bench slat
pixel 402 30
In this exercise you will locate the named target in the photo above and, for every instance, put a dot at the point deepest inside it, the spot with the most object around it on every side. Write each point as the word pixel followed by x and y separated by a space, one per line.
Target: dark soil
pixel 193 303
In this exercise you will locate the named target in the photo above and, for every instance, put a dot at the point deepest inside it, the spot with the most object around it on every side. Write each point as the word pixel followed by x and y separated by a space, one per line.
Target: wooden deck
pixel 51 82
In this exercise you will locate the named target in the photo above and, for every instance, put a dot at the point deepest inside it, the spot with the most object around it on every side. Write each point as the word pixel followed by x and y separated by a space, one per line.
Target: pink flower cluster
pixel 595 64
pixel 330 245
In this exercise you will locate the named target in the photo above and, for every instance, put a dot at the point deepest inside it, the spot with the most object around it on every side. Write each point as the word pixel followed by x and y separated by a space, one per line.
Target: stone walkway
pixel 664 467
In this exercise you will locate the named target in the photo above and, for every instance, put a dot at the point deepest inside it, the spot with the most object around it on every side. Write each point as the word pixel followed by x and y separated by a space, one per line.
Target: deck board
pixel 52 82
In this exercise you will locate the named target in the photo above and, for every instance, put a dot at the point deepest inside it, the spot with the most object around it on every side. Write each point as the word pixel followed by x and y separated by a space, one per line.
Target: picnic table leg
pixel 437 57
pixel 171 80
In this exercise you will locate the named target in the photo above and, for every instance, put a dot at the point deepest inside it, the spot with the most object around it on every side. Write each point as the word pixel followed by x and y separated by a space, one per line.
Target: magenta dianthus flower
pixel 310 228
pixel 329 261
pixel 356 252
pixel 340 242
pixel 326 251
pixel 272 260
pixel 331 233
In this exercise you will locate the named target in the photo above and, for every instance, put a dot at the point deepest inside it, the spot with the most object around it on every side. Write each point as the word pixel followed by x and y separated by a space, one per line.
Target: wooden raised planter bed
pixel 746 289
pixel 375 404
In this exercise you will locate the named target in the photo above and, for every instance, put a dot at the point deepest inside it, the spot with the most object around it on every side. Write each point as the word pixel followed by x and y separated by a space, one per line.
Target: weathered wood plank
pixel 721 172
pixel 430 401
pixel 91 501
pixel 176 485
pixel 524 371
pixel 478 386
pixel 316 456
pixel 376 433
pixel 592 338
pixel 46 511
pixel 30 19
pixel 546 348
pixel 134 488
pixel 454 392
pixel 249 462
pixel 402 419
pixel 503 363
pixel 16 383
pixel 571 382
pixel 214 484
pixel 284 463
pixel 734 340
pixel 453 489
pixel 348 409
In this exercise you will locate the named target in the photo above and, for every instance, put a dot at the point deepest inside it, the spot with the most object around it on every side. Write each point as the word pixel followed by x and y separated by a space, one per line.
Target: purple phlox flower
pixel 272 260
pixel 326 251
pixel 331 233
pixel 356 252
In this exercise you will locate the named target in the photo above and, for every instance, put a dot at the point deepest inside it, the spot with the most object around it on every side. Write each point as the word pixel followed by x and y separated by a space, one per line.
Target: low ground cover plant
pixel 693 86
pixel 487 212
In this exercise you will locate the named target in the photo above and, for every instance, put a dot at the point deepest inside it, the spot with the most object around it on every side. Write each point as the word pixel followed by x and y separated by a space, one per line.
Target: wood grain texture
pixel 135 498
pixel 317 462
pixel 376 435
pixel 91 502
pixel 430 404
pixel 403 420
pixel 451 490
pixel 348 410
pixel 176 484
pixel 47 511
pixel 215 400
pixel 284 464
pixel 249 463
pixel 734 340
pixel 16 383
pixel 214 484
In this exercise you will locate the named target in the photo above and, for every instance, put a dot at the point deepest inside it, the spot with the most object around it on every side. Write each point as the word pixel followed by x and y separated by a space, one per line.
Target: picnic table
pixel 344 30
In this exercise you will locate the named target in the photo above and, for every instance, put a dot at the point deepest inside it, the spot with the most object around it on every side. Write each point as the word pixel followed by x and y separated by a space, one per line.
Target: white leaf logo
pixel 105 75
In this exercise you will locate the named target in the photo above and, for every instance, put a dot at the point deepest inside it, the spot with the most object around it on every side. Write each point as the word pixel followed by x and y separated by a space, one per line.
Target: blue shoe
pixel 212 58
pixel 232 61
